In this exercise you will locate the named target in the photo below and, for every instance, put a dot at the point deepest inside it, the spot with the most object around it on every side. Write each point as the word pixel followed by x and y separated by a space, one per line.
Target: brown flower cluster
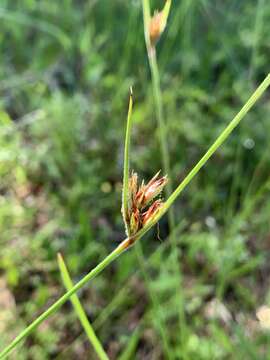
pixel 143 204
pixel 158 23
pixel 155 28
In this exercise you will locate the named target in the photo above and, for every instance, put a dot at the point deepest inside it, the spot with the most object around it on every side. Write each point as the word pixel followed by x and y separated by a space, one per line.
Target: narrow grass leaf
pixel 130 349
pixel 93 339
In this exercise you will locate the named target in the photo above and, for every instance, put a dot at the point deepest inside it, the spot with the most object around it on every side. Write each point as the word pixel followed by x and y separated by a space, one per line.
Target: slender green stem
pixel 126 243
pixel 93 339
pixel 162 131
pixel 159 110
pixel 168 190
pixel 53 308
pixel 125 194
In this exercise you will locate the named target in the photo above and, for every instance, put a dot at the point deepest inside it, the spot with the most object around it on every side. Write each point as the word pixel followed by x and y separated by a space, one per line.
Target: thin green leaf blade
pixel 93 339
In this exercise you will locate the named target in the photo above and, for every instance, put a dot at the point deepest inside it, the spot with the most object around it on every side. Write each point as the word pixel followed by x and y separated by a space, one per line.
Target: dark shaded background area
pixel 65 71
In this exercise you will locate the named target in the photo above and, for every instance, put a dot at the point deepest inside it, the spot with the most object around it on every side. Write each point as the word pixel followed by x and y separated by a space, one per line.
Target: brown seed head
pixel 141 206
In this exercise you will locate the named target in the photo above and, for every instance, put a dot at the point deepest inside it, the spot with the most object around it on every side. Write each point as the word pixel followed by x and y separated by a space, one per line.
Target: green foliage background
pixel 65 71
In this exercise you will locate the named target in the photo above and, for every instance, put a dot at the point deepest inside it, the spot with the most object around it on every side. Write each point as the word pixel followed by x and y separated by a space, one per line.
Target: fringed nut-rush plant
pixel 150 210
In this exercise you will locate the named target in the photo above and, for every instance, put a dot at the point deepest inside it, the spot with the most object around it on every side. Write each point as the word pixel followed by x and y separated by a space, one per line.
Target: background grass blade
pixel 93 339
pixel 130 349
pixel 25 20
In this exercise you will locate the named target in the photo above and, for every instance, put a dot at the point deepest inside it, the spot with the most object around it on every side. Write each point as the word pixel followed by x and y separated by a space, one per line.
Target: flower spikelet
pixel 143 204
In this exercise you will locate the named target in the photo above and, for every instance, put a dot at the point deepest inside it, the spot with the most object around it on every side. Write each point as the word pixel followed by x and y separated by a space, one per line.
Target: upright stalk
pixel 126 243
pixel 162 130
pixel 168 191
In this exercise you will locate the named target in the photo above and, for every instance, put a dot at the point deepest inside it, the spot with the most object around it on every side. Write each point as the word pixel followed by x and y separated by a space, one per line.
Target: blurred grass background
pixel 65 71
